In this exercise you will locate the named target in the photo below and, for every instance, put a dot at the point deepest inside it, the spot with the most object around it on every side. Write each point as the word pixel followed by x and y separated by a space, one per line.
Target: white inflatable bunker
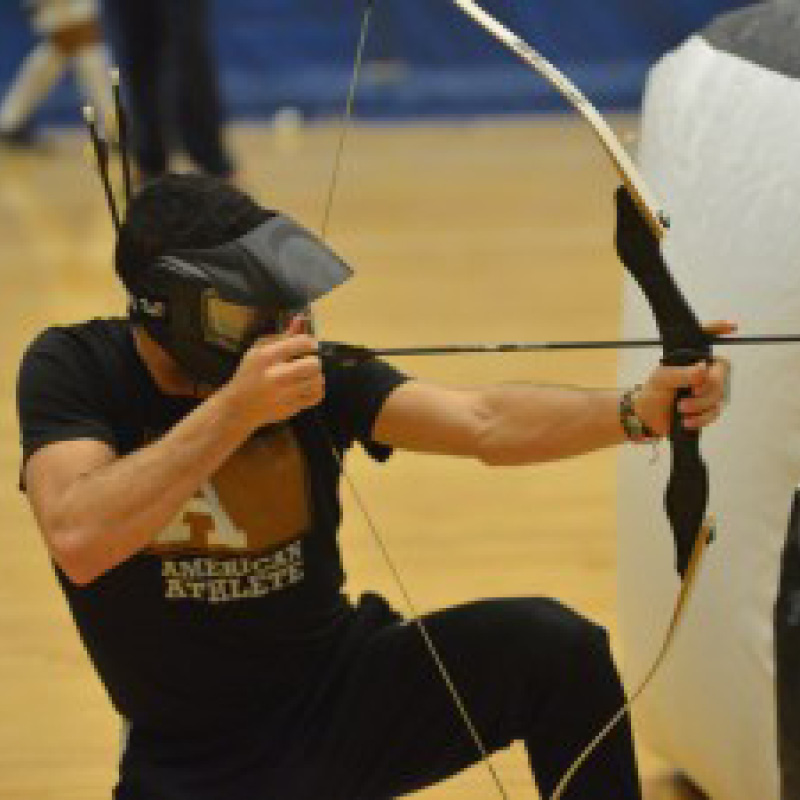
pixel 720 145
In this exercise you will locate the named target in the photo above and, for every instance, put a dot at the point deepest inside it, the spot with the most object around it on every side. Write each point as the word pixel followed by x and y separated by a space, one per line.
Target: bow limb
pixel 680 606
pixel 627 170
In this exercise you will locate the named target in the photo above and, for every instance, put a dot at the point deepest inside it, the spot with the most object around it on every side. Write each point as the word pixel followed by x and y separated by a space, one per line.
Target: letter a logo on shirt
pixel 256 501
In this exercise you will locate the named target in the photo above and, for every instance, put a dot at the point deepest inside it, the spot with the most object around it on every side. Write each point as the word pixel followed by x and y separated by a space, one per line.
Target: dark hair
pixel 181 212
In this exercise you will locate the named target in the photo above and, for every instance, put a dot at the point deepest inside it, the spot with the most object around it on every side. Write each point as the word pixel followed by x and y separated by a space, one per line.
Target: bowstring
pixel 347 118
pixel 414 615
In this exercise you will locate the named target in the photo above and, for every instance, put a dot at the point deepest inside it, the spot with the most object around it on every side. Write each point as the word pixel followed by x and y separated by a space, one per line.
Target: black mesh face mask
pixel 206 307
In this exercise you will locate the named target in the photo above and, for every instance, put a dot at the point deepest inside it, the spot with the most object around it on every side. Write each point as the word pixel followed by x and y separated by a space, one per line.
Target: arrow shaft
pixel 528 347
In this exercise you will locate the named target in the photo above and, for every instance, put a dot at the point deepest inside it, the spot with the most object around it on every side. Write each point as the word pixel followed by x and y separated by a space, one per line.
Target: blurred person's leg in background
pixel 198 106
pixel 169 73
pixel 70 34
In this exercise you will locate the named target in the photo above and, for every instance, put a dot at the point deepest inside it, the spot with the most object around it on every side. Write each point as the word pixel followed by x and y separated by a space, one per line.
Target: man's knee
pixel 577 640
pixel 570 625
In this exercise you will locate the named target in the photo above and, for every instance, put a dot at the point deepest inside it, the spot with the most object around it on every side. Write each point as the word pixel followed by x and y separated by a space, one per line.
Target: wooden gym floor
pixel 478 232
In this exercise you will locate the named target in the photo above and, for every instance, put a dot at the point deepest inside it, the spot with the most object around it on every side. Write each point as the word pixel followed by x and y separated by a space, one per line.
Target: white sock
pixel 91 69
pixel 41 68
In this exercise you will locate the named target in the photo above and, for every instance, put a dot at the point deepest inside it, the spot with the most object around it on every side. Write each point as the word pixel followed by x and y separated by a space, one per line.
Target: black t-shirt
pixel 237 604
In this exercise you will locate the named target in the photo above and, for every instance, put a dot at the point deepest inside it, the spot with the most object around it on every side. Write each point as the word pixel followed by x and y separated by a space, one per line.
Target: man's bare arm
pixel 95 510
pixel 523 424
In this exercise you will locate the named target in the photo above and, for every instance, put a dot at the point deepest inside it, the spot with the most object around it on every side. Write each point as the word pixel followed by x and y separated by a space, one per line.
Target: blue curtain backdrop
pixel 424 58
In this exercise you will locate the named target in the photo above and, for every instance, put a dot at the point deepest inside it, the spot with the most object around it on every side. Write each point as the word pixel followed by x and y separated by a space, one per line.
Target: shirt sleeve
pixel 354 397
pixel 58 396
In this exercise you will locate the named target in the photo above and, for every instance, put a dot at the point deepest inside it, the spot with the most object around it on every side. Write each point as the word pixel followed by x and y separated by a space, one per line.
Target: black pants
pixel 170 79
pixel 528 670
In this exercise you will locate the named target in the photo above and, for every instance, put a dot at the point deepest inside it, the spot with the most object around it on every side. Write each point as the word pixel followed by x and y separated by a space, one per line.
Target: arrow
pixel 350 355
